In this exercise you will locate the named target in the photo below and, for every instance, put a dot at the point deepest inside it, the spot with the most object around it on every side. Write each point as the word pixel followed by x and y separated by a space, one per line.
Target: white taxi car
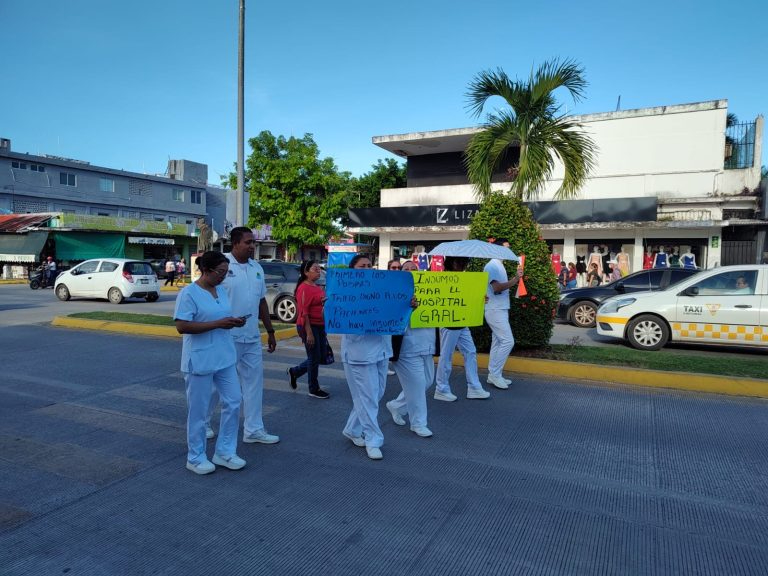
pixel 727 305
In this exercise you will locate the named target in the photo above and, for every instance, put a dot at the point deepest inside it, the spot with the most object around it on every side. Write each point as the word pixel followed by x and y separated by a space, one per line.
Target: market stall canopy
pixel 23 222
pixel 22 247
pixel 473 249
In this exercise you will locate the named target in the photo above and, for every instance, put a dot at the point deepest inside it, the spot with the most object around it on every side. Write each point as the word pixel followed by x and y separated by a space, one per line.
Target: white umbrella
pixel 473 249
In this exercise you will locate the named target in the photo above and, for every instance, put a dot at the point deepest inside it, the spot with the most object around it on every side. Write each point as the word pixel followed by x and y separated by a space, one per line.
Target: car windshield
pixel 139 268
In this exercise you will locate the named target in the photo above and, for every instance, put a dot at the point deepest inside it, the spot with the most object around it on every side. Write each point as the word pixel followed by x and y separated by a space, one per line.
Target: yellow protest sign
pixel 449 299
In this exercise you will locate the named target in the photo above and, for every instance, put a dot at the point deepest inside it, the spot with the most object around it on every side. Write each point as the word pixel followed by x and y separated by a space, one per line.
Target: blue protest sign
pixel 365 301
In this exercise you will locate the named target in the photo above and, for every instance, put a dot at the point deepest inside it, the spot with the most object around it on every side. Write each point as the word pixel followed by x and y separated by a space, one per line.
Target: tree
pixel 531 316
pixel 534 123
pixel 301 195
pixel 366 190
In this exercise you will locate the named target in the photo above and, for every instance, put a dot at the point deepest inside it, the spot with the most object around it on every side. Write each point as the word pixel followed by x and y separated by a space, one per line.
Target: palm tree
pixel 534 123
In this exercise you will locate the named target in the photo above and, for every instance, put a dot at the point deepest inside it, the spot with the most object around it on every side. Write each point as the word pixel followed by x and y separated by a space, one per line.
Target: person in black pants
pixel 310 325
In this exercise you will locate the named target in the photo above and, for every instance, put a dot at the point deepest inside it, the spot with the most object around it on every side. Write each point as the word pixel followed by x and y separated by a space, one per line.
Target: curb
pixel 142 329
pixel 15 281
pixel 688 381
pixel 691 382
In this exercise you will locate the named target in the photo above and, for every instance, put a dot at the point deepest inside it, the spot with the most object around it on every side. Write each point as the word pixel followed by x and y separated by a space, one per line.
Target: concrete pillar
pixel 569 248
pixel 385 250
pixel 637 253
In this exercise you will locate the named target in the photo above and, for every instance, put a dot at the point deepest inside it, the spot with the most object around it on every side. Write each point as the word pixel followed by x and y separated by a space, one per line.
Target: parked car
pixel 579 305
pixel 281 279
pixel 111 278
pixel 727 305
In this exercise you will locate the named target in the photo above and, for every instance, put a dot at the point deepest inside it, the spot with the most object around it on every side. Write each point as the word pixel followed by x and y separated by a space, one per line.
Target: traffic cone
pixel 521 289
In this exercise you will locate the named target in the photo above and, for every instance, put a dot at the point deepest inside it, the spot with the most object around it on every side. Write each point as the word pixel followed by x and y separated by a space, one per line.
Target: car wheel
pixel 647 332
pixel 285 309
pixel 583 314
pixel 62 292
pixel 115 296
pixel 153 297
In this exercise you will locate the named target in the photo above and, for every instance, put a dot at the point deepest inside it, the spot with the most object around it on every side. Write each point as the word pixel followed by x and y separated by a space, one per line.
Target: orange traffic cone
pixel 521 289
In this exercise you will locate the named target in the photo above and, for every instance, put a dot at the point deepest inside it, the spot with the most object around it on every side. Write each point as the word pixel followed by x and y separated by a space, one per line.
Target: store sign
pixel 454 215
pixel 148 240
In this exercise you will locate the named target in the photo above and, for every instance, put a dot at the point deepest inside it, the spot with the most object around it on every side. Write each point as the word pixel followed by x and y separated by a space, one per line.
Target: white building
pixel 672 176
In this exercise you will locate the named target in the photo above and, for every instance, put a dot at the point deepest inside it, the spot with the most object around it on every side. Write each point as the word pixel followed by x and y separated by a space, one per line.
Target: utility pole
pixel 241 214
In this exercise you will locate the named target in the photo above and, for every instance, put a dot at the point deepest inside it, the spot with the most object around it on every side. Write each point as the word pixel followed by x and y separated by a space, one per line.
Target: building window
pixel 196 196
pixel 67 179
pixel 177 194
pixel 130 214
pixel 37 167
pixel 173 219
pixel 19 165
pixel 106 185
pixel 102 213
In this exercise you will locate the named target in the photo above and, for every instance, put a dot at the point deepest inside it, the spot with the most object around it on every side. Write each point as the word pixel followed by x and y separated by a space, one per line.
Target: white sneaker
pixel 422 431
pixel 390 372
pixel 445 396
pixel 204 467
pixel 233 461
pixel 262 437
pixel 396 416
pixel 477 393
pixel 356 440
pixel 498 382
pixel 209 433
pixel 374 453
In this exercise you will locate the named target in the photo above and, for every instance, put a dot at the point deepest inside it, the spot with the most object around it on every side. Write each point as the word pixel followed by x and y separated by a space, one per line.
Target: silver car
pixel 281 279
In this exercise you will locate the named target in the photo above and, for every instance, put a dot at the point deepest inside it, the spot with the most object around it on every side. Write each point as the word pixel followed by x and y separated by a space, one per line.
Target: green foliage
pixel 531 316
pixel 365 191
pixel 533 123
pixel 300 194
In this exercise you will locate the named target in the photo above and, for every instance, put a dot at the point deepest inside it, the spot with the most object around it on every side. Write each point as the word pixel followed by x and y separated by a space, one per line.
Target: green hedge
pixel 532 316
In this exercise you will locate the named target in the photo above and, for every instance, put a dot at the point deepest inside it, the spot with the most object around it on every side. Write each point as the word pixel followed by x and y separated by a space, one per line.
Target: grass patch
pixel 668 360
pixel 153 319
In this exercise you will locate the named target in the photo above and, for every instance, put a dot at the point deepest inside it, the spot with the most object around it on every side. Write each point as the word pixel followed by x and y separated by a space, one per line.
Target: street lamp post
pixel 241 210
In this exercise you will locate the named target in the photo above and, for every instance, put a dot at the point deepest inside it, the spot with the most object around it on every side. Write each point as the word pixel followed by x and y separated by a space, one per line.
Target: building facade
pixel 672 177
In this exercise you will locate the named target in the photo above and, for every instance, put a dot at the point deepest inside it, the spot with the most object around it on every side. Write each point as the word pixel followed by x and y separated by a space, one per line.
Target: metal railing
pixel 740 145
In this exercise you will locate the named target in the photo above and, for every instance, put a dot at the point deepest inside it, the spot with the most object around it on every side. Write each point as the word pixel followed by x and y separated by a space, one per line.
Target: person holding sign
pixel 415 369
pixel 497 317
pixel 310 325
pixel 461 338
pixel 365 358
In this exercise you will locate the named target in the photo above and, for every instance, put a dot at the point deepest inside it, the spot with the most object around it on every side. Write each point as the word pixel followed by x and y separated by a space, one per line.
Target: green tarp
pixel 83 246
pixel 22 247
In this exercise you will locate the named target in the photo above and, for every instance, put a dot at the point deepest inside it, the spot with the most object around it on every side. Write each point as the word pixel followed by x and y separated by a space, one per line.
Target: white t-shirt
pixel 245 287
pixel 496 271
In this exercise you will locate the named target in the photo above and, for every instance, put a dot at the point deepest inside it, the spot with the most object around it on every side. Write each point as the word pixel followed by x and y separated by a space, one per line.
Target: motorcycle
pixel 38 278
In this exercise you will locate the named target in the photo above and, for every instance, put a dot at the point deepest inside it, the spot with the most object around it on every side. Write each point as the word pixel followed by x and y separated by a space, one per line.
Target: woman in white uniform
pixel 415 368
pixel 203 315
pixel 365 358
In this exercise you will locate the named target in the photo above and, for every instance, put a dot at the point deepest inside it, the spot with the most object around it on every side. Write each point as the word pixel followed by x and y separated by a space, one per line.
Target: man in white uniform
pixel 497 317
pixel 246 290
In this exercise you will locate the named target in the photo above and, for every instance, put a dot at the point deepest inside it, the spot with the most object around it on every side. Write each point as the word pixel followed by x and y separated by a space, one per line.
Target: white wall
pixel 670 152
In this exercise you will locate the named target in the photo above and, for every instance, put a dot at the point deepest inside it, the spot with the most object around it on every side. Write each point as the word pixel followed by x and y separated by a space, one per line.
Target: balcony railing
pixel 740 145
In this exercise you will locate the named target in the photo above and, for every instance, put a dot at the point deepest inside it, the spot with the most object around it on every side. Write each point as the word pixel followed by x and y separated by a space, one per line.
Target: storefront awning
pixel 22 247
pixel 83 246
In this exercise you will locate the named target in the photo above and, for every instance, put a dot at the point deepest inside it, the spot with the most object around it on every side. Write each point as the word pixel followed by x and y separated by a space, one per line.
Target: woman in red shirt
pixel 310 325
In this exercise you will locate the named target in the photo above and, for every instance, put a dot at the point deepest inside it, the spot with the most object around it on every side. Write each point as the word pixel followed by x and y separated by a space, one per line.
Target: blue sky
pixel 129 84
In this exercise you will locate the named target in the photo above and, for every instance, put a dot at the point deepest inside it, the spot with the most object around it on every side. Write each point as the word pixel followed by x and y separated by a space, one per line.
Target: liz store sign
pixel 454 215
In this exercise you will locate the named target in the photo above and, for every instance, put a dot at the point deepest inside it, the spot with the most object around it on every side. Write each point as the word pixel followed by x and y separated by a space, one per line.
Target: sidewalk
pixel 550 368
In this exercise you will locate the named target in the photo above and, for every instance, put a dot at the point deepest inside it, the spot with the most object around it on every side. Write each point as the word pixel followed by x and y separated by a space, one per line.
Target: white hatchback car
pixel 727 305
pixel 111 278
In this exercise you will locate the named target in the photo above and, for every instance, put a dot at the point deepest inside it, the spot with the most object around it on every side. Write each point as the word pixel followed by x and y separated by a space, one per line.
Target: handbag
pixel 328 357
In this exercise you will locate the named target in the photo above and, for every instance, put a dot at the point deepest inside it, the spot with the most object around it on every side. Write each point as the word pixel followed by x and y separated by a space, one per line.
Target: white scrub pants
pixel 449 341
pixel 250 371
pixel 416 374
pixel 502 341
pixel 200 388
pixel 366 385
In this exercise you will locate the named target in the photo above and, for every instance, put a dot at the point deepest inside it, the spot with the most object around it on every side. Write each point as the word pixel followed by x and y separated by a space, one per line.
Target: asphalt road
pixel 550 477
